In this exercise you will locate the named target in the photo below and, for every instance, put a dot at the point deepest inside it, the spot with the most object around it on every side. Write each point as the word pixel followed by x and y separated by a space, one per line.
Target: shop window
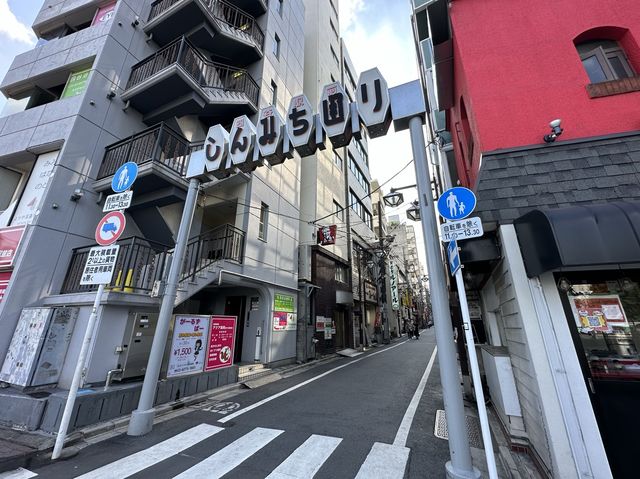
pixel 264 222
pixel 604 60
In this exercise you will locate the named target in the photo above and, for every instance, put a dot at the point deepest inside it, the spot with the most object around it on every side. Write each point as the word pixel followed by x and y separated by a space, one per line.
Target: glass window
pixel 276 46
pixel 604 60
pixel 280 7
pixel 339 211
pixel 341 273
pixel 333 27
pixel 264 222
pixel 334 55
pixel 274 93
pixel 9 181
pixel 337 159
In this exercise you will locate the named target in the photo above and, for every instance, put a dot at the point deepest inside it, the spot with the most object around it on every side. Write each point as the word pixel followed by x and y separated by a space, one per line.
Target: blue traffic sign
pixel 124 177
pixel 456 203
pixel 454 257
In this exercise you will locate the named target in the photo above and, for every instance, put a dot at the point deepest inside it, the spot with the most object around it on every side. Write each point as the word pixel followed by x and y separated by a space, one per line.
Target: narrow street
pixel 350 417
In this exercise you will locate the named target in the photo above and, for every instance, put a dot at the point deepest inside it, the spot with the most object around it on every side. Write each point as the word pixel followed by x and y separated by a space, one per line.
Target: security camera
pixel 136 21
pixel 556 131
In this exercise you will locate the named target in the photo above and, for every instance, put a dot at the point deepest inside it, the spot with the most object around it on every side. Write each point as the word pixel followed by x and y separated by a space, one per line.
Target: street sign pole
pixel 475 374
pixel 460 465
pixel 142 418
pixel 78 374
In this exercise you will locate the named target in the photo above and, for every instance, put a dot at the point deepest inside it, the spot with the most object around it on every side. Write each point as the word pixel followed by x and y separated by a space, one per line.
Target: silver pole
pixel 460 465
pixel 78 374
pixel 142 418
pixel 475 373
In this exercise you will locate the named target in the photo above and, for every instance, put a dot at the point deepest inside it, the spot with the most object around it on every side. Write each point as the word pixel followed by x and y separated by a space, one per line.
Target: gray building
pixel 141 81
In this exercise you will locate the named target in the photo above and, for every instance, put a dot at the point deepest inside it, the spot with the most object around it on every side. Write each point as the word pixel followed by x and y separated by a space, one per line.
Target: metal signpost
pixel 449 206
pixel 98 269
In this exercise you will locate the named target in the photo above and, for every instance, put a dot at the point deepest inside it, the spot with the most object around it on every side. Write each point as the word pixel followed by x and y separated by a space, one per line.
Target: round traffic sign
pixel 124 177
pixel 110 228
pixel 456 203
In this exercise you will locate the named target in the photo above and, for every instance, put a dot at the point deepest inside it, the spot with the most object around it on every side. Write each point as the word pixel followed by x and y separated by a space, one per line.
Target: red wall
pixel 517 69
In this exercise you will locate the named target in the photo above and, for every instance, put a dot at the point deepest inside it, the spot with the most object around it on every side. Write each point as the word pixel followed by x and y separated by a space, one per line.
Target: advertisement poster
pixel 9 242
pixel 5 277
pixel 188 345
pixel 598 312
pixel 320 320
pixel 284 302
pixel 104 14
pixel 283 321
pixel 76 83
pixel 31 199
pixel 222 338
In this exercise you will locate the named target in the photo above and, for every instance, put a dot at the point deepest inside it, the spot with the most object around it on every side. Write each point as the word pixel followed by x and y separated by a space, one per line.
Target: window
pixel 333 80
pixel 360 210
pixel 264 222
pixel 362 151
pixel 9 189
pixel 337 159
pixel 604 60
pixel 276 45
pixel 357 172
pixel 274 93
pixel 280 7
pixel 341 273
pixel 333 27
pixel 334 55
pixel 339 211
pixel 333 7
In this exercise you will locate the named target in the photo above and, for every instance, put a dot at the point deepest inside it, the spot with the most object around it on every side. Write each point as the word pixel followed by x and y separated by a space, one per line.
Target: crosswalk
pixel 384 461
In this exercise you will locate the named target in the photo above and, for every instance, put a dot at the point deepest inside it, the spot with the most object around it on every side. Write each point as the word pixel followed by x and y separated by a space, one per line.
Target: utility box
pixel 136 344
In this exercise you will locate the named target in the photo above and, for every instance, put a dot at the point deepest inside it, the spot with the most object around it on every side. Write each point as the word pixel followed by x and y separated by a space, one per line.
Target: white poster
pixel 31 199
pixel 395 303
pixel 189 345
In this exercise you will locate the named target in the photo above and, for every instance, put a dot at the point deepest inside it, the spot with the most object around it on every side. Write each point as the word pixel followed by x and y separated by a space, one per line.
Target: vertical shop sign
pixel 187 353
pixel 221 346
pixel 9 241
pixel 5 277
pixel 31 199
pixel 76 84
pixel 395 303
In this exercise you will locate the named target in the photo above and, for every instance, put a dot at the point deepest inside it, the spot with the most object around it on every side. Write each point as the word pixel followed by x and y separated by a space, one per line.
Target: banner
pixel 222 338
pixel 327 235
pixel 188 345
pixel 104 14
pixel 9 241
pixel 393 279
pixel 34 191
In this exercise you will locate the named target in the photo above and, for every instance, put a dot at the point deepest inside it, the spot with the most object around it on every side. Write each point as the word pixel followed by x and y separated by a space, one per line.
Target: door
pixel 235 306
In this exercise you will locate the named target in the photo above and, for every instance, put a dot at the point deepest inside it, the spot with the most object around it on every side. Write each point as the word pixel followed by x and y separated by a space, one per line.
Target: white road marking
pixel 20 473
pixel 405 425
pixel 227 459
pixel 127 466
pixel 384 462
pixel 304 383
pixel 305 461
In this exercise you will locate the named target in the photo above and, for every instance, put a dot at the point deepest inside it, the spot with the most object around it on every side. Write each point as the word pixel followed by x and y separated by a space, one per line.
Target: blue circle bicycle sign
pixel 456 203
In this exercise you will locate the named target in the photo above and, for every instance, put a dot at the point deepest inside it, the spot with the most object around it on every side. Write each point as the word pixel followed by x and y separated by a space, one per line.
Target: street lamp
pixel 413 213
pixel 394 198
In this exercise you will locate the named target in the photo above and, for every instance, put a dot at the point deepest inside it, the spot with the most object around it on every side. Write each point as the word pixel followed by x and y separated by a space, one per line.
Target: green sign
pixel 76 83
pixel 282 302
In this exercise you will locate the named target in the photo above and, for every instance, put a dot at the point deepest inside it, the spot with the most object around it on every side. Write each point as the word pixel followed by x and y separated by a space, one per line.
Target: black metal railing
pixel 139 265
pixel 225 242
pixel 159 143
pixel 222 11
pixel 204 72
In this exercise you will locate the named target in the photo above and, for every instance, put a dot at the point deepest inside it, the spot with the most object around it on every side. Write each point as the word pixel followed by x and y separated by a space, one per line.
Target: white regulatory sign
pixel 118 202
pixel 100 265
pixel 461 230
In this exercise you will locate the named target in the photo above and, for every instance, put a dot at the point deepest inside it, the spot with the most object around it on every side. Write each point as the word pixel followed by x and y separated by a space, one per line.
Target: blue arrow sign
pixel 456 203
pixel 454 257
pixel 124 177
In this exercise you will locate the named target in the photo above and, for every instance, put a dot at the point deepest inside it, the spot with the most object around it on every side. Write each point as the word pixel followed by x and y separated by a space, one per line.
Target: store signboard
pixel 5 277
pixel 34 191
pixel 76 84
pixel 104 14
pixel 598 312
pixel 393 279
pixel 284 302
pixel 9 241
pixel 221 346
pixel 187 355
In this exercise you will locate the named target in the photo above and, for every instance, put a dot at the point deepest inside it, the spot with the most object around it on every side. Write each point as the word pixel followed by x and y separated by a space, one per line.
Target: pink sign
pixel 4 283
pixel 9 242
pixel 104 14
pixel 222 337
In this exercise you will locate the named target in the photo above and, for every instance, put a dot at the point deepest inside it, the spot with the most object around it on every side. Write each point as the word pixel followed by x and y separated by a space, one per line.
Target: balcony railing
pixel 139 264
pixel 222 11
pixel 224 242
pixel 204 72
pixel 159 143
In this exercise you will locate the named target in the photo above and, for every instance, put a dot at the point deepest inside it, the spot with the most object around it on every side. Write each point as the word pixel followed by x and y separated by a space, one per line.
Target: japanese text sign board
pixel 188 345
pixel 222 338
pixel 284 302
pixel 9 241
pixel 100 265
pixel 117 202
pixel 456 203
pixel 454 257
pixel 461 230
pixel 110 228
pixel 76 83
pixel 124 177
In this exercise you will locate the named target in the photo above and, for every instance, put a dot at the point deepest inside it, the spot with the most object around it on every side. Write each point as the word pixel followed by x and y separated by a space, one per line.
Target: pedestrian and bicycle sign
pixel 124 177
pixel 100 264
pixel 454 257
pixel 461 230
pixel 456 203
pixel 110 228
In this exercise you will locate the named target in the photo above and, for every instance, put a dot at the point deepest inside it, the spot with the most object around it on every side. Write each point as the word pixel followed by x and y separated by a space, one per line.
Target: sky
pixel 377 34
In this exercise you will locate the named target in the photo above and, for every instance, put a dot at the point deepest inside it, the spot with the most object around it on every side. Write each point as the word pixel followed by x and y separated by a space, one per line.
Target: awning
pixel 604 234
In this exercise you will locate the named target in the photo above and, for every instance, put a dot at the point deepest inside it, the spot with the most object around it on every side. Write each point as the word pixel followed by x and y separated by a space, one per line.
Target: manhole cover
pixel 473 429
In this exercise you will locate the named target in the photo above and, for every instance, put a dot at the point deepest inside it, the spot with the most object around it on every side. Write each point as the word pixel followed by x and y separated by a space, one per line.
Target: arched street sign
pixel 124 177
pixel 456 203
pixel 110 228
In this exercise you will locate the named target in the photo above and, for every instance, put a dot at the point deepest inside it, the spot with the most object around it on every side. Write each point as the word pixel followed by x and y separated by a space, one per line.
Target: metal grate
pixel 473 429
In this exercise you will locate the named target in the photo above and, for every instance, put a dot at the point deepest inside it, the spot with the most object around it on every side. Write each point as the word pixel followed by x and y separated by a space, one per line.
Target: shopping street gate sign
pixel 461 230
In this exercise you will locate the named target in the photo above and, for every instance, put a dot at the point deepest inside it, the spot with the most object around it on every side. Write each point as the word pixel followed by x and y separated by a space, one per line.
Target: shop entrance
pixel 603 310
pixel 235 306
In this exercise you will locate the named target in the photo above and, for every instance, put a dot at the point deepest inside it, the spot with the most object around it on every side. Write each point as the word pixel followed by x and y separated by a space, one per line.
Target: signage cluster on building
pixel 284 313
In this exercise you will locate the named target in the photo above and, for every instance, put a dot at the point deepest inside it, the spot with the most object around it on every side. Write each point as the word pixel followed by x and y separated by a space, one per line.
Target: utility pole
pixel 386 334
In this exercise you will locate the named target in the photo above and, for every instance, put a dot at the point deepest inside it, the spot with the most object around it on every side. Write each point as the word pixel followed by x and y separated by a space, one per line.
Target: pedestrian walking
pixel 416 330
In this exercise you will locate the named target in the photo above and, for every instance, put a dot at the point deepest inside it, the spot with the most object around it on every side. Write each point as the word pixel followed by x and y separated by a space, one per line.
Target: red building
pixel 556 273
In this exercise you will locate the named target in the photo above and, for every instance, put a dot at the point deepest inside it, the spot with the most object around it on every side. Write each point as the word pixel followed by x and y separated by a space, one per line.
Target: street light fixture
pixel 394 198
pixel 413 213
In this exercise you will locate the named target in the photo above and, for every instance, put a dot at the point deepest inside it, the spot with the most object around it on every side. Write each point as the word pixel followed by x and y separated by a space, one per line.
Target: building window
pixel 333 27
pixel 9 188
pixel 334 55
pixel 362 151
pixel 264 222
pixel 341 274
pixel 604 60
pixel 359 175
pixel 360 210
pixel 339 211
pixel 276 45
pixel 333 7
pixel 280 7
pixel 274 93
pixel 337 159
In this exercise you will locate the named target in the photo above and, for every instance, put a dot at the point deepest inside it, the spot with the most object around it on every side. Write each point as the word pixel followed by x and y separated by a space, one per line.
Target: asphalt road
pixel 347 418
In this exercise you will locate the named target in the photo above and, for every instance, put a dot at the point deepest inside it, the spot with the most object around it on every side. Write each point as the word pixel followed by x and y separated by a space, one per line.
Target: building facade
pixel 538 116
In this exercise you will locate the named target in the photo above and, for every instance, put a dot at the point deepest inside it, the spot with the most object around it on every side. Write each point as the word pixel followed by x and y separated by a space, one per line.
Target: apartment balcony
pixel 230 33
pixel 178 80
